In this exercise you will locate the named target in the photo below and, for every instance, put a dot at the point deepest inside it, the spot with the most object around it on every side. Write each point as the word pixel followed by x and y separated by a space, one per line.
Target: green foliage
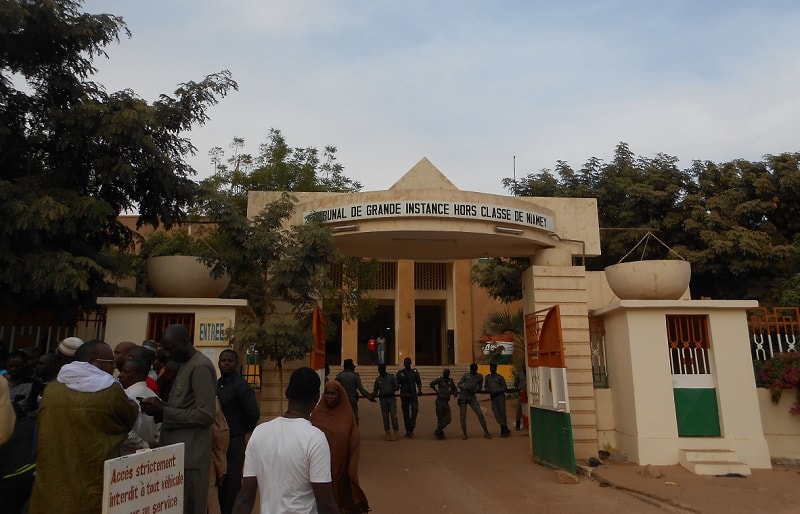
pixel 282 270
pixel 505 322
pixel 790 295
pixel 74 156
pixel 276 167
pixel 282 334
pixel 278 338
pixel 501 277
pixel 735 221
pixel 178 241
pixel 501 322
pixel 351 301
pixel 778 373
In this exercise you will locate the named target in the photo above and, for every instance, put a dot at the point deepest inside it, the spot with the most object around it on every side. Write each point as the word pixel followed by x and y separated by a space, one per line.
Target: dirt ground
pixel 425 475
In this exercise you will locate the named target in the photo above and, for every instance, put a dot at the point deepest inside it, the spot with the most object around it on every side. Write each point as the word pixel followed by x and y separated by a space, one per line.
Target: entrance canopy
pixel 423 216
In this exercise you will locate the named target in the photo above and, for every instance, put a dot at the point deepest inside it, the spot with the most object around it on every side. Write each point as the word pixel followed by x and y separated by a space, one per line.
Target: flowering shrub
pixel 779 373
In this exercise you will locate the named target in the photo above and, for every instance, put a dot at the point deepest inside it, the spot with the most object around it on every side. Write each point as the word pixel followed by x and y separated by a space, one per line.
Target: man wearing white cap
pixel 66 349
pixel 84 418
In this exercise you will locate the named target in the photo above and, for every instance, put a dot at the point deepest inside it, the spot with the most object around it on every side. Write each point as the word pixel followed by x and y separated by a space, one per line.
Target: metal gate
pixel 551 423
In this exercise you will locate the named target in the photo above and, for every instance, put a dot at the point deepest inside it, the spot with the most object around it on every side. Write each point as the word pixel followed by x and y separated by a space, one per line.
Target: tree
pixel 735 221
pixel 735 248
pixel 277 167
pixel 74 157
pixel 501 277
pixel 283 271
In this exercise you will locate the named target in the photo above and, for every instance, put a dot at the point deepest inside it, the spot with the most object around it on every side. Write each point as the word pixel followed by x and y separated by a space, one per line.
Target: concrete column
pixel 558 256
pixel 462 302
pixel 350 340
pixel 404 311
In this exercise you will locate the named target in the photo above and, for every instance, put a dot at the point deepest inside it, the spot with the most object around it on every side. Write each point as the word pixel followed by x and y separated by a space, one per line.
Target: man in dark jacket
pixel 239 405
pixel 410 389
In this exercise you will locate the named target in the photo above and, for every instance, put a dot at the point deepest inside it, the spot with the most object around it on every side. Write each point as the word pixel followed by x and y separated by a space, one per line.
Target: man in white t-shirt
pixel 287 459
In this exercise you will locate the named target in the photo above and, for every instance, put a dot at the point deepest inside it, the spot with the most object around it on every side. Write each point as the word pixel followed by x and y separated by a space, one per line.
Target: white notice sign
pixel 148 482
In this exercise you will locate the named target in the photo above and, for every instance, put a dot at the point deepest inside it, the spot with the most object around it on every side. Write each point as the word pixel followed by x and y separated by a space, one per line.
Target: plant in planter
pixel 779 373
pixel 178 241
pixel 175 263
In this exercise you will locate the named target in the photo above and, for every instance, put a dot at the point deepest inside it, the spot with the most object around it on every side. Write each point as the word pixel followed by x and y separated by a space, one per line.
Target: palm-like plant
pixel 504 322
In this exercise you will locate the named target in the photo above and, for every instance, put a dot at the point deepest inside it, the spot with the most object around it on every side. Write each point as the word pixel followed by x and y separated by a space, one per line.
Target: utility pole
pixel 515 175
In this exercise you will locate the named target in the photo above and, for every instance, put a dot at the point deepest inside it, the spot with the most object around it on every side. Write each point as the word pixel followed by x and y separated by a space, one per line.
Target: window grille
pixel 387 276
pixel 158 321
pixel 251 370
pixel 597 345
pixel 688 340
pixel 335 275
pixel 430 276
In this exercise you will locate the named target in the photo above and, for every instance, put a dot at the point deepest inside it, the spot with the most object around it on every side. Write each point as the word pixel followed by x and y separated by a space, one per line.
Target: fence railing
pixel 46 336
pixel 773 331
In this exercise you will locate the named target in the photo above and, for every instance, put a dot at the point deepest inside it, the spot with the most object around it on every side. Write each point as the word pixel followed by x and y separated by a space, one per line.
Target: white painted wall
pixel 781 429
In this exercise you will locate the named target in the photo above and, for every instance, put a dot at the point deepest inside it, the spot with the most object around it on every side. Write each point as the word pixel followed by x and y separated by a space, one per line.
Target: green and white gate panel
pixel 696 409
pixel 550 420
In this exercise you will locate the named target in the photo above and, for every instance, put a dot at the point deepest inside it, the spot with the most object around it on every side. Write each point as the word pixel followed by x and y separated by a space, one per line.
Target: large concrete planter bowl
pixel 182 276
pixel 649 280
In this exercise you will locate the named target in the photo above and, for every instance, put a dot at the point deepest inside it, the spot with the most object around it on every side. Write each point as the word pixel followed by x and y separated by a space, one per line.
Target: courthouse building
pixel 427 235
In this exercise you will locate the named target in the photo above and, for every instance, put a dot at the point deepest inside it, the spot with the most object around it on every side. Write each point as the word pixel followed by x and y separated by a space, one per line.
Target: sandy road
pixel 425 475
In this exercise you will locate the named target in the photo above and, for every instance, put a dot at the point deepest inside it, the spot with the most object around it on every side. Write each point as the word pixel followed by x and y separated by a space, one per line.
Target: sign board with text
pixel 147 482
pixel 438 209
pixel 211 331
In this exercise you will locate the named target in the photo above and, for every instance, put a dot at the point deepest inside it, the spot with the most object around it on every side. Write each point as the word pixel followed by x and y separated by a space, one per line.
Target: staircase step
pixel 717 468
pixel 711 454
pixel 712 461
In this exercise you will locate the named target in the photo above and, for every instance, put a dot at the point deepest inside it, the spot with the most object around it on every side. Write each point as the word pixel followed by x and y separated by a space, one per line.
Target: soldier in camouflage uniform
pixel 410 390
pixel 352 385
pixel 385 387
pixel 469 385
pixel 496 387
pixel 445 388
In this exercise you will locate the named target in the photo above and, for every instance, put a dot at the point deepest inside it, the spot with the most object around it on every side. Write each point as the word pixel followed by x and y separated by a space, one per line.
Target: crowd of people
pixel 63 414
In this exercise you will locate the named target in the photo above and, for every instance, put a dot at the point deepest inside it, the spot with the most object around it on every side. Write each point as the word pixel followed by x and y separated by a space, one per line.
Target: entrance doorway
pixel 429 334
pixel 382 323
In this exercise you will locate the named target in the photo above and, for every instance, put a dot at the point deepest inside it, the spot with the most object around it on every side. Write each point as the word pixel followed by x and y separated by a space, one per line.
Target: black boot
pixel 519 422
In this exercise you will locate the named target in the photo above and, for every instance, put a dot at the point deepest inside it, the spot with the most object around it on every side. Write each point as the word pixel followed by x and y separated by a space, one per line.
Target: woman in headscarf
pixel 334 416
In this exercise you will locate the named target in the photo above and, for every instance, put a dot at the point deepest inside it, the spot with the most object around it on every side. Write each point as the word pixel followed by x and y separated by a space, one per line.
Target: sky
pixel 485 90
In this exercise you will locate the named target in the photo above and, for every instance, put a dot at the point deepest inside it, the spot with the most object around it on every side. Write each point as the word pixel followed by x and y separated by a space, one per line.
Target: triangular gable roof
pixel 424 175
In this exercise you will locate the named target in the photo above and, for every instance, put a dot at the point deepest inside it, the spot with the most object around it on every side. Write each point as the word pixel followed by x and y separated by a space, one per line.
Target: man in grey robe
pixel 188 414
